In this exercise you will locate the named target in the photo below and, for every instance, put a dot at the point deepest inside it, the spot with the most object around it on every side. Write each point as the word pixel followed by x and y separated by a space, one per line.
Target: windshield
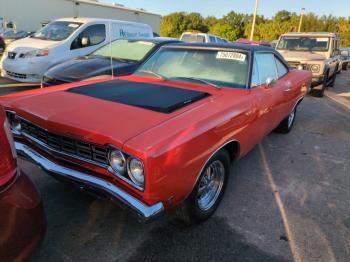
pixel 9 34
pixel 20 34
pixel 193 38
pixel 224 68
pixel 126 50
pixel 304 44
pixel 56 31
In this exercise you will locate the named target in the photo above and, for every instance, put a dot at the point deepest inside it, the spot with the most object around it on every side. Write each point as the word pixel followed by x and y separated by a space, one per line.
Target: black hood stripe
pixel 159 98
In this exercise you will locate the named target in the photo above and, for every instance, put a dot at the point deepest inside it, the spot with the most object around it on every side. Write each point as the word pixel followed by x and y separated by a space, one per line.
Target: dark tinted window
pixel 95 35
pixel 212 39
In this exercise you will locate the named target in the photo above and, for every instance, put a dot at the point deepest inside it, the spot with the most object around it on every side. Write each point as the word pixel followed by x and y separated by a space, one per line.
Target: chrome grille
pixel 16 75
pixel 66 145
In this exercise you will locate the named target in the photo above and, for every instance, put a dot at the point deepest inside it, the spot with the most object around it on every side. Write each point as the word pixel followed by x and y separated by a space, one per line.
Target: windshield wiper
pixel 198 80
pixel 153 73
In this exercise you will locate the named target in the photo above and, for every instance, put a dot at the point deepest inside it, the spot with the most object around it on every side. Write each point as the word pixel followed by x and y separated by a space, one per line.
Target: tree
pixel 173 25
pixel 282 16
pixel 225 30
pixel 236 25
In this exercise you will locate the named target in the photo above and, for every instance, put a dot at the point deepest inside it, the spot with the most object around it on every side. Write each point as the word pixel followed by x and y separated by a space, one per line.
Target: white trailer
pixel 29 15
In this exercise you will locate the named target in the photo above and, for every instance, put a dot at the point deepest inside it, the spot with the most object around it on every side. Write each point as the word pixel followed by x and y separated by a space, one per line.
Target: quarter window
pixel 281 68
pixel 94 34
pixel 266 66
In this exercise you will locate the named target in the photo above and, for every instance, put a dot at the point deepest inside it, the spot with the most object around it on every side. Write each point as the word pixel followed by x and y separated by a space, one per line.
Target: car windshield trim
pixel 114 58
pixel 198 80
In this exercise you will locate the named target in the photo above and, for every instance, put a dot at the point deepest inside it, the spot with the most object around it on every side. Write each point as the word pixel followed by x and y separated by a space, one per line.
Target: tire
pixel 331 84
pixel 320 92
pixel 287 124
pixel 197 208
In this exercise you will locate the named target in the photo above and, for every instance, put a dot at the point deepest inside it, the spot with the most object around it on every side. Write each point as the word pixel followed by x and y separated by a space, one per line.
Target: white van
pixel 193 37
pixel 27 59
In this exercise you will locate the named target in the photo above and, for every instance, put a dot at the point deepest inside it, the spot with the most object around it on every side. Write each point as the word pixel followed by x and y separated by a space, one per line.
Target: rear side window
pixel 95 34
pixel 281 68
pixel 212 39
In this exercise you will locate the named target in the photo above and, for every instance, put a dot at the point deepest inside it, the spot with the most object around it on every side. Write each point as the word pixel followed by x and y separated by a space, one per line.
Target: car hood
pixel 89 116
pixel 86 67
pixel 28 44
pixel 298 56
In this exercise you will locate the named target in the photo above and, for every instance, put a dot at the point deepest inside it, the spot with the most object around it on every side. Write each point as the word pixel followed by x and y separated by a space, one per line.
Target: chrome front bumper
pixel 143 211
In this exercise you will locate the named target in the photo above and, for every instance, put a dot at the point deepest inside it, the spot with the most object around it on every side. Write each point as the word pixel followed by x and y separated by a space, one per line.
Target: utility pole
pixel 301 19
pixel 254 19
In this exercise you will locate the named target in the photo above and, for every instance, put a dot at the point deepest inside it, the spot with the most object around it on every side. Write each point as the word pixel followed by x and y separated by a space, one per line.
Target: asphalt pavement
pixel 287 200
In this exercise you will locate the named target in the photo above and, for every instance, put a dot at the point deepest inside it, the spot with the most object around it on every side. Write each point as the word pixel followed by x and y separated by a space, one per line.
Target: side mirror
pixel 85 41
pixel 270 82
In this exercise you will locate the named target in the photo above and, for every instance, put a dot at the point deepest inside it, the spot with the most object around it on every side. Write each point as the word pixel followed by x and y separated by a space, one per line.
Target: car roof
pixel 155 40
pixel 324 34
pixel 89 20
pixel 245 47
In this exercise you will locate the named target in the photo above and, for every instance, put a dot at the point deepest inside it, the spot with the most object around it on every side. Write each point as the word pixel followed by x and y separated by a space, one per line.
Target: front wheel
pixel 287 124
pixel 332 82
pixel 206 195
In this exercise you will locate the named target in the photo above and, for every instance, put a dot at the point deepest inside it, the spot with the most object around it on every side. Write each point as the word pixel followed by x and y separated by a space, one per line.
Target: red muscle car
pixel 164 137
pixel 22 220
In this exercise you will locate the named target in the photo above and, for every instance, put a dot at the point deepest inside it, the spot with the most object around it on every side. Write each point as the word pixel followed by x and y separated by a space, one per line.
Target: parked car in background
pixel 193 37
pixel 26 60
pixel 345 57
pixel 22 219
pixel 273 43
pixel 316 52
pixel 249 42
pixel 11 36
pixel 127 56
pixel 163 138
pixel 2 44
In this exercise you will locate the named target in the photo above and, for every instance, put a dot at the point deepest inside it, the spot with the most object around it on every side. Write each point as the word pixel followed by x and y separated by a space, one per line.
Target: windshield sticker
pixel 322 39
pixel 231 56
pixel 73 25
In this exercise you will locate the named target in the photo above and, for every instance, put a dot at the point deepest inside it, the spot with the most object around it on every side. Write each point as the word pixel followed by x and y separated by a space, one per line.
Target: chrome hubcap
pixel 210 185
pixel 291 119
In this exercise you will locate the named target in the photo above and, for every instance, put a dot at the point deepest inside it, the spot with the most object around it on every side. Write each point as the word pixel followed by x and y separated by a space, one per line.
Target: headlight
pixel 15 122
pixel 315 68
pixel 136 171
pixel 117 161
pixel 36 53
pixel 300 67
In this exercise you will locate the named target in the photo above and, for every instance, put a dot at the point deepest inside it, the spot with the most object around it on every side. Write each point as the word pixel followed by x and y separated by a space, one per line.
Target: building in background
pixel 29 15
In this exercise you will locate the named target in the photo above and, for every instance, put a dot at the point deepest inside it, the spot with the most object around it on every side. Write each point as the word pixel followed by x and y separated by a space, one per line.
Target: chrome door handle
pixel 287 90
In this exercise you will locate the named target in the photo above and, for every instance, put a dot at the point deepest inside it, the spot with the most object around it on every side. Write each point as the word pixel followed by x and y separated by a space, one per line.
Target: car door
pixel 267 92
pixel 287 90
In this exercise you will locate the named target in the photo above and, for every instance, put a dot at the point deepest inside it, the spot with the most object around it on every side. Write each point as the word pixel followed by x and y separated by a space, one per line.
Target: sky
pixel 219 8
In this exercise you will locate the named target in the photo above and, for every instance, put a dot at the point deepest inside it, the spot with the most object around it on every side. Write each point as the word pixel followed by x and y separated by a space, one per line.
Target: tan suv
pixel 317 52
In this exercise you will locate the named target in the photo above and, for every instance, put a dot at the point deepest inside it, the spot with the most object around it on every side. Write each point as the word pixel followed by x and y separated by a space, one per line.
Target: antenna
pixel 110 47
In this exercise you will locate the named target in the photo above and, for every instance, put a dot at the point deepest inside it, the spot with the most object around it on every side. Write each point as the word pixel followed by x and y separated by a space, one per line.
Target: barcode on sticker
pixel 231 56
